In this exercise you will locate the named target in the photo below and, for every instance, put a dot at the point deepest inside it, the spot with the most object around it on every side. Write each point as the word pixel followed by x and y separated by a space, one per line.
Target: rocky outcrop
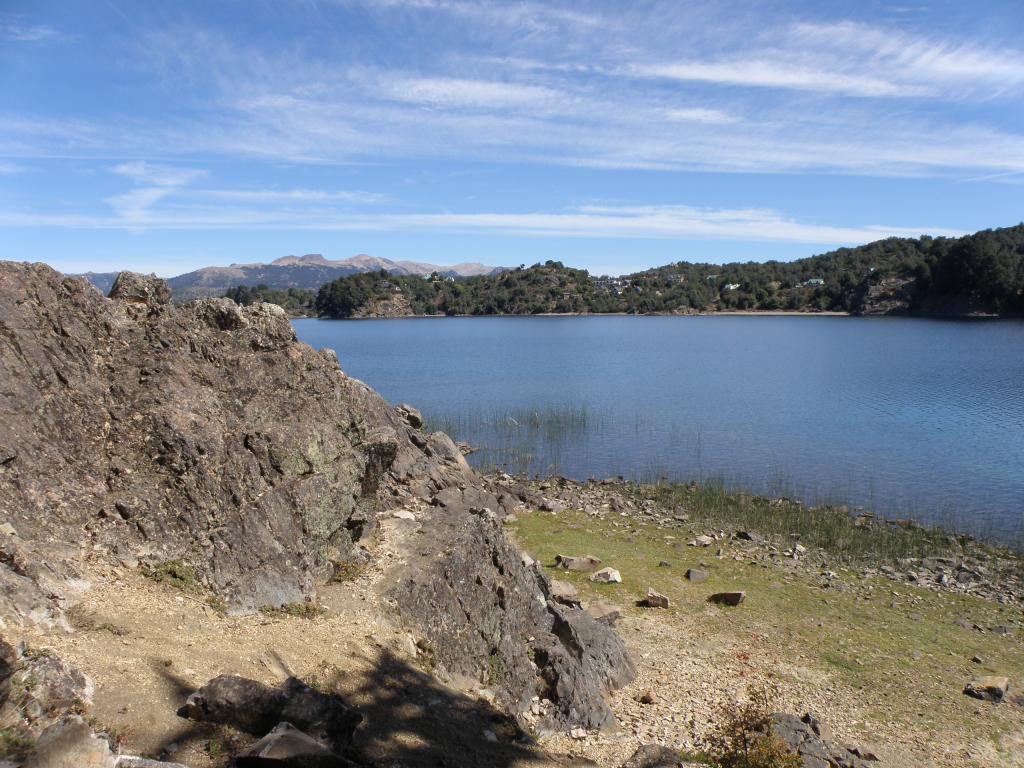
pixel 393 306
pixel 205 434
pixel 887 296
pixel 812 741
pixel 205 439
pixel 477 602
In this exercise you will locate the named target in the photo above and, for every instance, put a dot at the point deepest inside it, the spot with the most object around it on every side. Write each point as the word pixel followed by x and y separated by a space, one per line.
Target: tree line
pixel 979 273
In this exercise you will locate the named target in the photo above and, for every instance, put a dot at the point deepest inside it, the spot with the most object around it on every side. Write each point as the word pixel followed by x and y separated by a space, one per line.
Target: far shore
pixel 728 313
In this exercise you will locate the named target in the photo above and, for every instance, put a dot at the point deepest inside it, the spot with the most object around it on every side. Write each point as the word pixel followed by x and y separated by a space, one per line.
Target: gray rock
pixel 478 602
pixel 607 576
pixel 988 688
pixel 696 575
pixel 411 415
pixel 815 751
pixel 284 743
pixel 727 598
pixel 584 563
pixel 70 744
pixel 565 593
pixel 38 689
pixel 256 708
pixel 653 756
pixel 128 761
pixel 654 600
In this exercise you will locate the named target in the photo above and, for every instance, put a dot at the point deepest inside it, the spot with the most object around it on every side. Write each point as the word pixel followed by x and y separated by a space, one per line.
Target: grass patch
pixel 175 573
pixel 218 603
pixel 15 743
pixel 896 649
pixel 302 610
pixel 496 669
pixel 860 539
pixel 347 571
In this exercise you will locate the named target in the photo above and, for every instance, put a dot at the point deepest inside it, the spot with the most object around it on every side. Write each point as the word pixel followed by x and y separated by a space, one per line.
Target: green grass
pixel 176 573
pixel 830 528
pixel 518 440
pixel 15 743
pixel 899 648
pixel 302 610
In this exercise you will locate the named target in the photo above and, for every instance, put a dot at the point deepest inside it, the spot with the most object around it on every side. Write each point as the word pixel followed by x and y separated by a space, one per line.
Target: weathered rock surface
pixel 653 756
pixel 138 431
pixel 476 601
pixel 203 433
pixel 806 737
pixel 256 708
pixel 37 690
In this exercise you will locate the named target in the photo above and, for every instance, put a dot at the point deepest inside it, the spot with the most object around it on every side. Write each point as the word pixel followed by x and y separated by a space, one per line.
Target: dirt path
pixel 147 645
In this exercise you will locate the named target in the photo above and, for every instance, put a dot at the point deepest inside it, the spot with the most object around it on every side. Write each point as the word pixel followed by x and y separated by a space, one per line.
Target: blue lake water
pixel 903 416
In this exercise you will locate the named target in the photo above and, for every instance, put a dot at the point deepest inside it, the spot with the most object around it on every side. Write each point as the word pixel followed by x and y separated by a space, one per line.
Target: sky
pixel 612 136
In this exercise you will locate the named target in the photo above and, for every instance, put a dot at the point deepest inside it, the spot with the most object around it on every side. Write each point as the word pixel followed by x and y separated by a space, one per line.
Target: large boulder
pixel 203 433
pixel 206 438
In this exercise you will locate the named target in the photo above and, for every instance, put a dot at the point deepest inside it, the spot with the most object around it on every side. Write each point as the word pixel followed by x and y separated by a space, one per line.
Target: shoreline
pixel 737 313
pixel 904 551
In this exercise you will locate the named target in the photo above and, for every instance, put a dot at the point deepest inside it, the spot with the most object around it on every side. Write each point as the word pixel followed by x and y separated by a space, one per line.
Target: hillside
pixel 979 274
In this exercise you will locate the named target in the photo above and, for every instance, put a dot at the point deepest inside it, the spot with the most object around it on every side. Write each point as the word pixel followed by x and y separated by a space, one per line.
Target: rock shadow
pixel 412 720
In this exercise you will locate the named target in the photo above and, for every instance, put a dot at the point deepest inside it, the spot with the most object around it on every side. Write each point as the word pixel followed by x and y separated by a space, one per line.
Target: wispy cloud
pixel 699 115
pixel 290 196
pixel 134 211
pixel 459 92
pixel 853 59
pixel 30 33
pixel 157 174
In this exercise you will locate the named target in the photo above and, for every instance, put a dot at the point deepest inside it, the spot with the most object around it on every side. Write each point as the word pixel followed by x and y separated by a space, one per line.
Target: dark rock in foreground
pixel 205 439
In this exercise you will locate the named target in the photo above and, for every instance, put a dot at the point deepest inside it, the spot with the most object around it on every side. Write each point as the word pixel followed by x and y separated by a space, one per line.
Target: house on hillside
pixel 814 282
pixel 731 286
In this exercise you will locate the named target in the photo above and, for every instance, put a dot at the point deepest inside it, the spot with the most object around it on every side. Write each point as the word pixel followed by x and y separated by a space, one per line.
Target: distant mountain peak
pixel 309 258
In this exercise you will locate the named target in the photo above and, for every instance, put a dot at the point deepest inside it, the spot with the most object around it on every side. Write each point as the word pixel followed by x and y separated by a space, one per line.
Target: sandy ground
pixel 147 645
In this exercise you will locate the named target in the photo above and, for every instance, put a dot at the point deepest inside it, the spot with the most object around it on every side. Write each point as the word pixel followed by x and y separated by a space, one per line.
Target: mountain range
pixel 308 272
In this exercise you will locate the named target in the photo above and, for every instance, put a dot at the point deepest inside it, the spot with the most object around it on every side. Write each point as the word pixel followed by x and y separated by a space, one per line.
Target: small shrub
pixel 177 573
pixel 743 738
pixel 218 603
pixel 302 610
pixel 496 670
pixel 346 571
pixel 15 744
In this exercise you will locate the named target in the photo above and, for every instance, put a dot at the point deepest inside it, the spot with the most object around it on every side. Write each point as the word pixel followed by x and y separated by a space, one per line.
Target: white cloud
pixel 667 222
pixel 458 92
pixel 30 33
pixel 158 175
pixel 772 74
pixel 290 196
pixel 848 58
pixel 699 115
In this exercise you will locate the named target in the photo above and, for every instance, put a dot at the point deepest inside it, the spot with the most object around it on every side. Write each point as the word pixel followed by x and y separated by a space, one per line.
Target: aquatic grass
pixel 521 441
pixel 851 538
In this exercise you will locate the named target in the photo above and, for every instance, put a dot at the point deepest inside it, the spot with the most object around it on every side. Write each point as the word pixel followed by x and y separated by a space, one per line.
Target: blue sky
pixel 611 135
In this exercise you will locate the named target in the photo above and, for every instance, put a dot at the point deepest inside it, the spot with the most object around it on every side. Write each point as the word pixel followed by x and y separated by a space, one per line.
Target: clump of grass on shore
pixel 830 528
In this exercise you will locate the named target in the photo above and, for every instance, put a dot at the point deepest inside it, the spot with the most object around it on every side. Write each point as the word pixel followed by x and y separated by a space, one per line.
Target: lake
pixel 906 417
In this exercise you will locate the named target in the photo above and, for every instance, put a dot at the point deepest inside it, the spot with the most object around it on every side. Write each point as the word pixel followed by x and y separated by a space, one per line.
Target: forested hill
pixel 980 274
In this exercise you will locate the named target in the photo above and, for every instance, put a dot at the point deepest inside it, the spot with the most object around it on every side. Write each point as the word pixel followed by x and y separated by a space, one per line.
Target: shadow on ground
pixel 408 719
